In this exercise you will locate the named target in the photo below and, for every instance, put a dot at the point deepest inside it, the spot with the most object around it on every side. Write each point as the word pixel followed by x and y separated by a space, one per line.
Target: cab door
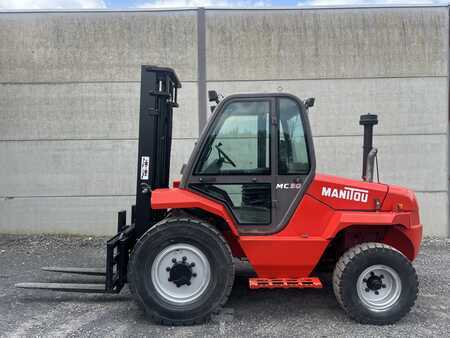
pixel 237 162
pixel 295 158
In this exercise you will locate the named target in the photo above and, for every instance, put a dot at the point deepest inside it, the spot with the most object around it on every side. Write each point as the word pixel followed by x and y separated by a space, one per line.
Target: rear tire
pixel 375 284
pixel 181 271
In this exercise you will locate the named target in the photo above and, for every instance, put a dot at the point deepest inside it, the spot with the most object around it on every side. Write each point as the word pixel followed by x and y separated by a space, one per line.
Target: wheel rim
pixel 379 287
pixel 181 273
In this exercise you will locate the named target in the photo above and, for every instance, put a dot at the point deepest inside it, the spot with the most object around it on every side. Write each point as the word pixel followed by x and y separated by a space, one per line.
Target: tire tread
pixel 160 226
pixel 340 270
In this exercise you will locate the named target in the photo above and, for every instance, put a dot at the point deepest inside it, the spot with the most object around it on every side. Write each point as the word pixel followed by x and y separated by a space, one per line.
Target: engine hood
pixel 345 194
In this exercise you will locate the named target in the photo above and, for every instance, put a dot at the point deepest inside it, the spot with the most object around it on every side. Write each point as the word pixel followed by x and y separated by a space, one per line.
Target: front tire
pixel 181 271
pixel 375 284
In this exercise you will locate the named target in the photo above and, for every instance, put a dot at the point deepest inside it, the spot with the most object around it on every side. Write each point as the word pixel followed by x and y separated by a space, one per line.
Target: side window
pixel 292 149
pixel 240 141
pixel 249 202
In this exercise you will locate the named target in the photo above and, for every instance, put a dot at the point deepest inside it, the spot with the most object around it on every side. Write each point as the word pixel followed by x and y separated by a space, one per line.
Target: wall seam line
pixel 18 83
pixel 201 68
pixel 332 78
pixel 193 138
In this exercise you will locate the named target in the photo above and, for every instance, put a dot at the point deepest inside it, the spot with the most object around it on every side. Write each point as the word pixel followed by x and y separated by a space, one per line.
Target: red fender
pixel 177 198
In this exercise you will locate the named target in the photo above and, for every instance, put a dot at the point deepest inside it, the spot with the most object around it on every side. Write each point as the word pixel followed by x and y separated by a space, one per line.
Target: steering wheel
pixel 224 156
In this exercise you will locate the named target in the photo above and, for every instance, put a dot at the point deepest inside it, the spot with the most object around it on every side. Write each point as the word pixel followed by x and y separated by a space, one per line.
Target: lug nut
pixel 381 276
pixel 192 264
pixel 174 260
pixel 372 274
pixel 383 286
pixel 194 275
pixel 184 258
pixel 367 290
pixel 188 283
pixel 365 280
pixel 376 292
pixel 168 269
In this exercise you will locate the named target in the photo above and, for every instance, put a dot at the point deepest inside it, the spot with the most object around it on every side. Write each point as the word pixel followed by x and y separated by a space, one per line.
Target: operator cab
pixel 256 156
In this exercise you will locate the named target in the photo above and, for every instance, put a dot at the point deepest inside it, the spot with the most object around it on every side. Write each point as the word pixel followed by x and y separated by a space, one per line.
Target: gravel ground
pixel 270 313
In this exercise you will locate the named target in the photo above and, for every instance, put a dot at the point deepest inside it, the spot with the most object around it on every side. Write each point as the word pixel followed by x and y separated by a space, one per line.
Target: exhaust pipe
pixel 369 153
pixel 370 162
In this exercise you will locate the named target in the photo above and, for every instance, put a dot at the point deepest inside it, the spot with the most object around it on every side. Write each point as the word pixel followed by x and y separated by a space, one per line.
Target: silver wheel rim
pixel 168 290
pixel 375 296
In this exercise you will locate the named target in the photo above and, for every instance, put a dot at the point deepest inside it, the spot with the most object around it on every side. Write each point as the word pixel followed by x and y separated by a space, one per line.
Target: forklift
pixel 250 191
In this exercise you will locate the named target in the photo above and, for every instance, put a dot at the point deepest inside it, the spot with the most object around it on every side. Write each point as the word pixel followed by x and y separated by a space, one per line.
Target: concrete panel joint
pixel 201 68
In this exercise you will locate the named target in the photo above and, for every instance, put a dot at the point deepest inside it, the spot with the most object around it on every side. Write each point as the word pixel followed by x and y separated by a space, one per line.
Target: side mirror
pixel 309 102
pixel 212 96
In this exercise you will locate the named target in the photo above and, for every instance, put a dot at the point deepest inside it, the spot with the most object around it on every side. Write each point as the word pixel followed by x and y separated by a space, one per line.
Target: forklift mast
pixel 158 98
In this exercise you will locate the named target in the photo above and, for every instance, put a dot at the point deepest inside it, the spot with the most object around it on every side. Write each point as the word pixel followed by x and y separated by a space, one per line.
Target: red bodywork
pixel 362 211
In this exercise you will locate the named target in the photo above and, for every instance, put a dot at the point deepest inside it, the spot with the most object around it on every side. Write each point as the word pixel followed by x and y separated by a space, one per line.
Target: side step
pixel 285 283
pixel 68 287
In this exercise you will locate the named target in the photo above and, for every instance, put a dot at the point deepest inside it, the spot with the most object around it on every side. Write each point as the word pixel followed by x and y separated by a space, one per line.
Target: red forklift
pixel 250 191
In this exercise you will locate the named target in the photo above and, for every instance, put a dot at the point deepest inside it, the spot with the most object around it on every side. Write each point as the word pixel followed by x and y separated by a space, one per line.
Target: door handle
pixel 207 179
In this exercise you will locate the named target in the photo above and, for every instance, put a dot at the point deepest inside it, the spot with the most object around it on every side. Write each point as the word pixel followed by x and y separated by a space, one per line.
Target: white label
pixel 145 167
pixel 348 193
pixel 288 186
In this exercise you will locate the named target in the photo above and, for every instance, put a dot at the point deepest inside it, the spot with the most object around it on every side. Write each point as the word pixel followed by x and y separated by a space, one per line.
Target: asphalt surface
pixel 266 313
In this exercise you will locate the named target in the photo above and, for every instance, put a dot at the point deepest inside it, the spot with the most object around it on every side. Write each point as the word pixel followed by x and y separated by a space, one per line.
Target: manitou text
pixel 351 194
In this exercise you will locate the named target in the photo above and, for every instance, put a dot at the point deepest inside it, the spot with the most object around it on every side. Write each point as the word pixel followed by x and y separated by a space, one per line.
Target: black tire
pixel 203 237
pixel 350 267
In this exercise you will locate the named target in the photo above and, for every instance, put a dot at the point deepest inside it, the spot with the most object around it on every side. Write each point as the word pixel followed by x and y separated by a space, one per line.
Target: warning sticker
pixel 145 167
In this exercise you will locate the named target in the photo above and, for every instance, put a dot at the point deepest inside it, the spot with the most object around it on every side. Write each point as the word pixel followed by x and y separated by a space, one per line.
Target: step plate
pixel 285 283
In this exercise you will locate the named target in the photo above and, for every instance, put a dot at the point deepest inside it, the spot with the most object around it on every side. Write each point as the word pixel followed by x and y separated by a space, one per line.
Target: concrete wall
pixel 69 93
pixel 390 61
